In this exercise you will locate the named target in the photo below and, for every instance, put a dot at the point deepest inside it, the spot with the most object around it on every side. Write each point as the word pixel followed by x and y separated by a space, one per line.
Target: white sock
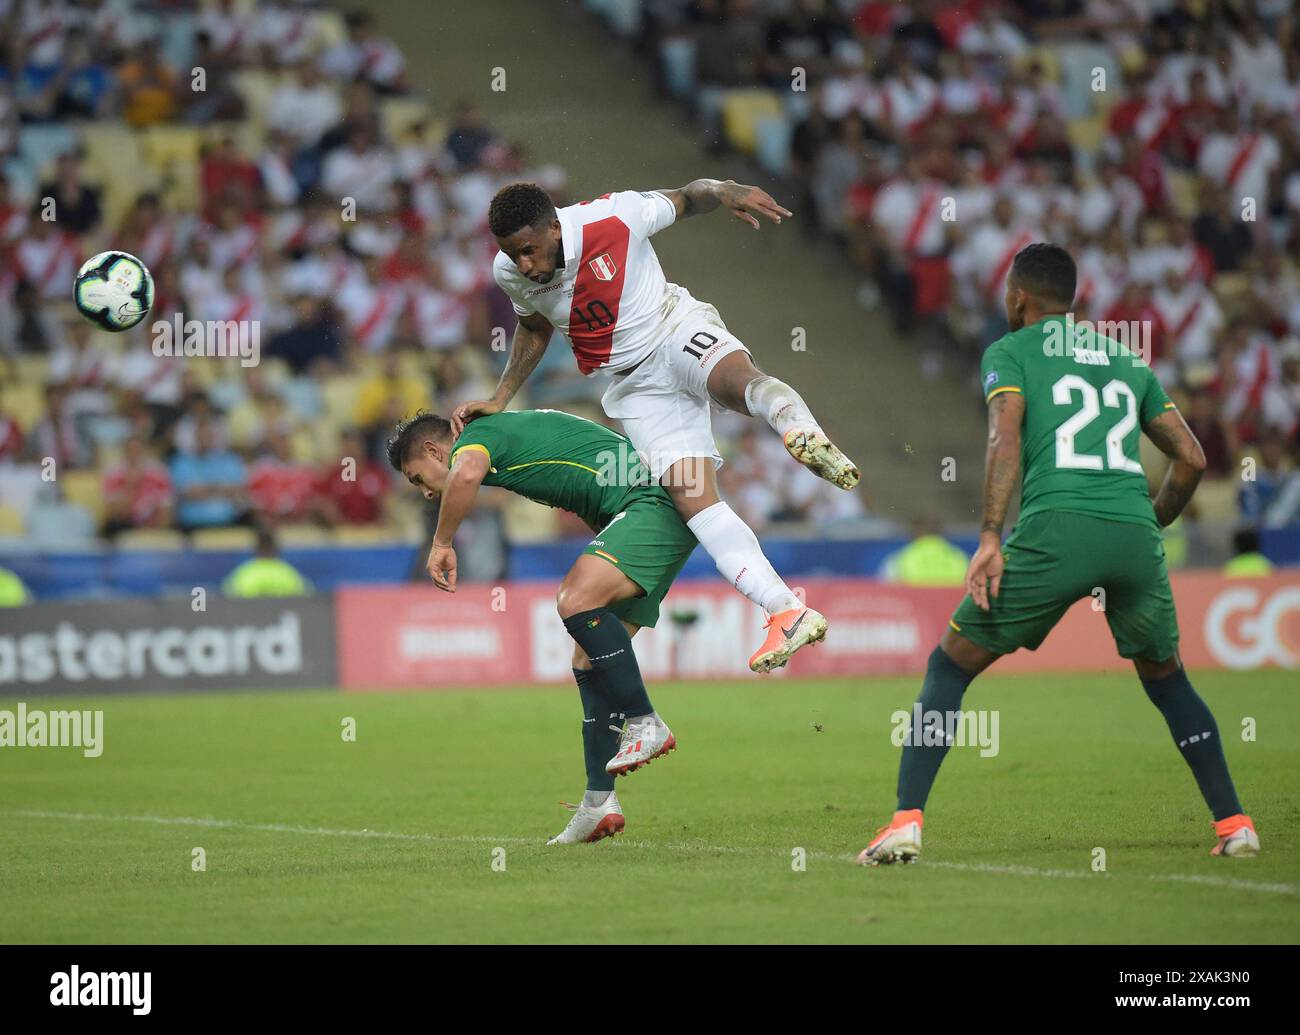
pixel 778 404
pixel 735 550
pixel 595 799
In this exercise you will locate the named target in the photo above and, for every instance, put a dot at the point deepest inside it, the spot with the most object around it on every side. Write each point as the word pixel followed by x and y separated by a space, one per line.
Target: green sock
pixel 1197 736
pixel 945 682
pixel 599 742
pixel 609 647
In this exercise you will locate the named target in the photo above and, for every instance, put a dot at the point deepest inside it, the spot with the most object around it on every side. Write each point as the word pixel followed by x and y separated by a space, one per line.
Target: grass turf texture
pixel 435 782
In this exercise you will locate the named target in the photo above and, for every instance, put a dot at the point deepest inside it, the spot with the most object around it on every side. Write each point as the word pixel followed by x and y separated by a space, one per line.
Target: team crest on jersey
pixel 603 266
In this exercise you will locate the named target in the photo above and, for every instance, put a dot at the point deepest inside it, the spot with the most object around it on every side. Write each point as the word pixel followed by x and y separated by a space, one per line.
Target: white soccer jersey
pixel 607 299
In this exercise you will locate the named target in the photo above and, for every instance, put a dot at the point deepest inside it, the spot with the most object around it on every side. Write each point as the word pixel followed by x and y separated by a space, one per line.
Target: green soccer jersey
pixel 1087 398
pixel 560 460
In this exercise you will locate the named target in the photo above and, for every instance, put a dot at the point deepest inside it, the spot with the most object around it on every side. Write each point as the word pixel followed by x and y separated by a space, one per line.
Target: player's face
pixel 535 252
pixel 426 469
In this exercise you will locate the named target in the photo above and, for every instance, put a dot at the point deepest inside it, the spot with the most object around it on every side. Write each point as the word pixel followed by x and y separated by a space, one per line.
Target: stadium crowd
pixel 1158 139
pixel 283 175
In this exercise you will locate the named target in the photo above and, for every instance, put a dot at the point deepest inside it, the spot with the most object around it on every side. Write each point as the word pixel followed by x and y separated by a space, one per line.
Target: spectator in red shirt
pixel 1212 431
pixel 1135 310
pixel 227 175
pixel 354 490
pixel 1189 123
pixel 1146 168
pixel 281 488
pixel 137 491
pixel 11 439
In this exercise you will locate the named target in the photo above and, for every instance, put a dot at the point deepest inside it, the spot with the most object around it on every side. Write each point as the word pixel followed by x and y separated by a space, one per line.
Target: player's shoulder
pixel 505 272
pixel 493 428
pixel 634 207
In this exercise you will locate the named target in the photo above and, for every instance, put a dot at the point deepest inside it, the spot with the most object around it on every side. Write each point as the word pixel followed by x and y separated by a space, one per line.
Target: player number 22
pixel 1110 396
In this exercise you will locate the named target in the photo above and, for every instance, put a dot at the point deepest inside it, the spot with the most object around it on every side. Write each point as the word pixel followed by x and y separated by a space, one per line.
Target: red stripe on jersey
pixel 597 292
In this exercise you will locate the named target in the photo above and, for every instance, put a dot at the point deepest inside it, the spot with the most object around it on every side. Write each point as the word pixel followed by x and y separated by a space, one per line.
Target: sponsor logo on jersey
pixel 990 380
pixel 603 267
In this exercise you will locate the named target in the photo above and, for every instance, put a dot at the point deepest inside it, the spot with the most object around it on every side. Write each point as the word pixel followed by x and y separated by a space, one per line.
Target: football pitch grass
pixel 393 837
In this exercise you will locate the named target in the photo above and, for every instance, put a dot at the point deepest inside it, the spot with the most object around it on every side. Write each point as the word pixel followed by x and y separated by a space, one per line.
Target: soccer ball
pixel 114 290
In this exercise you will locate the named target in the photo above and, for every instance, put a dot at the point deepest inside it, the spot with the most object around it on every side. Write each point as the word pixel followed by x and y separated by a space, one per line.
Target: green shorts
pixel 1054 558
pixel 649 542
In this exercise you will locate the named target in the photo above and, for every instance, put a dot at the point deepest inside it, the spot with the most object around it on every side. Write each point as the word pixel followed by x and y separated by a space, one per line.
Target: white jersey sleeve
pixel 506 275
pixel 645 212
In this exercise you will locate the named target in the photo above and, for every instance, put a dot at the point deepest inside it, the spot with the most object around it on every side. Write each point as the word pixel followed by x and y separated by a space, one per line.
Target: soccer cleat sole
pixel 607 827
pixel 903 854
pixel 669 745
pixel 821 456
pixel 774 659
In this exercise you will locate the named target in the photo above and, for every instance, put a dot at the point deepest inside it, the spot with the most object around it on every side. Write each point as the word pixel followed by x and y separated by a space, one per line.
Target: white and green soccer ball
pixel 114 290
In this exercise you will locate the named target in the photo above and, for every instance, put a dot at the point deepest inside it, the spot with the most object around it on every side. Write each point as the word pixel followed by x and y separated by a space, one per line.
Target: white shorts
pixel 664 402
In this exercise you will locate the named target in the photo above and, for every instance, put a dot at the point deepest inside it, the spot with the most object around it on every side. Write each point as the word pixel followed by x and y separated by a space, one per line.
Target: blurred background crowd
pixel 270 162
pixel 1158 139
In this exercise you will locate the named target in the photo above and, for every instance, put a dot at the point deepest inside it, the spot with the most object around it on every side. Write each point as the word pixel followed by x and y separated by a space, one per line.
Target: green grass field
pixel 391 838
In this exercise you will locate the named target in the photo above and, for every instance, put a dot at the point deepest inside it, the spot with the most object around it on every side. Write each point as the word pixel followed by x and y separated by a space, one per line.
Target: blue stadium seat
pixel 773 151
pixel 1077 62
pixel 678 57
pixel 40 145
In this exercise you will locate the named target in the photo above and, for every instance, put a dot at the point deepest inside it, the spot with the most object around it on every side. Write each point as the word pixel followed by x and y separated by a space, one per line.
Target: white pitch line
pixel 1231 883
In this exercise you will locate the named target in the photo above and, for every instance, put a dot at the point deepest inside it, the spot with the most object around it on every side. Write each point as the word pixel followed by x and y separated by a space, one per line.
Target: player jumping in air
pixel 590 271
pixel 613 589
pixel 1068 412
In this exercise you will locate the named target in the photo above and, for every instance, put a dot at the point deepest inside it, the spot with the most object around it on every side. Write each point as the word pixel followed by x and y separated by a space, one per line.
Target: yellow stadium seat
pixel 151 539
pixel 1086 134
pixel 167 145
pixel 1050 62
pixel 24 401
pixel 1216 500
pixel 112 148
pixel 302 535
pixel 742 110
pixel 11 522
pixel 528 522
pixel 399 113
pixel 224 539
pixel 31 369
pixel 1232 290
pixel 1182 191
pixel 340 396
pixel 256 86
pixel 85 489
pixel 330 28
pixel 365 535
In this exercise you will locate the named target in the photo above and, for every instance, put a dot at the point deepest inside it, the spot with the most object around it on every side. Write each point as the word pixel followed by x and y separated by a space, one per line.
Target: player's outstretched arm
pixel 463 481
pixel 742 201
pixel 1174 438
pixel 1001 469
pixel 526 349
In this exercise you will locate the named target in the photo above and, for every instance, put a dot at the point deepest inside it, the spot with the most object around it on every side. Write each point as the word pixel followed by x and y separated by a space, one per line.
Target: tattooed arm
pixel 1001 470
pixel 526 349
pixel 1175 439
pixel 744 202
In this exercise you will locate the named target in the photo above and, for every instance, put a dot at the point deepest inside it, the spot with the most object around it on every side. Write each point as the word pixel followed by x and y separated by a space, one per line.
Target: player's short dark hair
pixel 412 430
pixel 518 205
pixel 1047 272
